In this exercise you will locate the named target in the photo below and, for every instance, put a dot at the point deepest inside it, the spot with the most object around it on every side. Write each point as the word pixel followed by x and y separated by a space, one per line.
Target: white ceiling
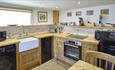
pixel 56 4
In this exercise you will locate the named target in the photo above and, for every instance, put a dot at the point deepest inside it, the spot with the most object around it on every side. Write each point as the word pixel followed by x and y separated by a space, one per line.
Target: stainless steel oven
pixel 72 49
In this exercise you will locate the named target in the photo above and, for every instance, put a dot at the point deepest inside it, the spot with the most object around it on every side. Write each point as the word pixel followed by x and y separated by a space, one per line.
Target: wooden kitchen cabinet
pixel 58 47
pixel 88 46
pixel 29 59
pixel 54 47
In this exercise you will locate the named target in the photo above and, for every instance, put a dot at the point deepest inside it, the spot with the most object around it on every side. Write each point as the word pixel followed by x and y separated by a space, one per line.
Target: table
pixel 81 65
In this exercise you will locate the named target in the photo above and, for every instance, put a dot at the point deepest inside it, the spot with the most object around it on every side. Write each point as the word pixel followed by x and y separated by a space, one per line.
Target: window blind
pixel 14 16
pixel 15 9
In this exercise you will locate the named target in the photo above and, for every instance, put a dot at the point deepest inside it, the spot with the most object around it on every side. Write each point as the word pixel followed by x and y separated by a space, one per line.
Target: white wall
pixel 34 19
pixel 94 18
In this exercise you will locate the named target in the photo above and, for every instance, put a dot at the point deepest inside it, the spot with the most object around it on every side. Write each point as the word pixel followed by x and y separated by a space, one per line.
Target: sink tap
pixel 23 30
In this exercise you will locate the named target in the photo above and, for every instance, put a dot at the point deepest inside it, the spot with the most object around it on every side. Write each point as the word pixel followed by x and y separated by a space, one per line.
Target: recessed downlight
pixel 56 7
pixel 79 2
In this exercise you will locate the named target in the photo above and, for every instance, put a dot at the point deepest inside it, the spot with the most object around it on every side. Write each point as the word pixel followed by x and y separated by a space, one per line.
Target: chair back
pixel 97 58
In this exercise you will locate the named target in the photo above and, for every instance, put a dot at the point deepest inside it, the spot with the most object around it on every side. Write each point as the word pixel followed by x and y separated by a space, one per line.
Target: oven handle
pixel 76 46
pixel 79 44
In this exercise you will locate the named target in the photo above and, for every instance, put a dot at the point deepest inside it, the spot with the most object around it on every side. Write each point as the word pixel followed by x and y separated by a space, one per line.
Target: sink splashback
pixel 18 30
pixel 82 31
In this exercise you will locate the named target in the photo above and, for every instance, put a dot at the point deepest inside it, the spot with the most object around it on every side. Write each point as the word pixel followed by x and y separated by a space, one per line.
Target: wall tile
pixel 16 30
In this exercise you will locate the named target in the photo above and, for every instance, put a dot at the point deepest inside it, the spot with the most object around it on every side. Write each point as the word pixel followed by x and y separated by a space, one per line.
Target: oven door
pixel 72 51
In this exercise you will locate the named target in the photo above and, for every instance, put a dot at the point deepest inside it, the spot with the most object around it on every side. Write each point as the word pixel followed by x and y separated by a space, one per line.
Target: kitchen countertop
pixel 8 42
pixel 90 38
pixel 47 34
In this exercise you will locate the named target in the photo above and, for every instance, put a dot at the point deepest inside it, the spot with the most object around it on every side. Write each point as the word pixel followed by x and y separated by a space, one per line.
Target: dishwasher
pixel 46 49
pixel 8 57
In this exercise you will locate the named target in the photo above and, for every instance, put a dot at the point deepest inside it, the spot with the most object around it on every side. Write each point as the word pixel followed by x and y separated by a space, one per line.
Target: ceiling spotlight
pixel 56 7
pixel 79 2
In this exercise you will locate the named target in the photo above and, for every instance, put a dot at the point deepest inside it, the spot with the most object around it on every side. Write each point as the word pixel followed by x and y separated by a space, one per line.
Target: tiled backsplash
pixel 84 31
pixel 15 30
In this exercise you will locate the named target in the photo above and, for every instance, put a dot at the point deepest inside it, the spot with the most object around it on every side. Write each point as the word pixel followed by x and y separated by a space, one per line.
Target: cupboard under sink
pixel 29 53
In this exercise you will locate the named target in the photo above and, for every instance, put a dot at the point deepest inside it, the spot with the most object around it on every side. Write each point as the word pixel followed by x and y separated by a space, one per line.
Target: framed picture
pixel 78 13
pixel 42 16
pixel 69 14
pixel 104 11
pixel 89 12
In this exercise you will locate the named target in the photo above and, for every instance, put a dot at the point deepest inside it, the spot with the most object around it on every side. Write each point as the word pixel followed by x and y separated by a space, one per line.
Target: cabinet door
pixel 58 47
pixel 46 49
pixel 60 44
pixel 88 46
pixel 55 47
pixel 29 59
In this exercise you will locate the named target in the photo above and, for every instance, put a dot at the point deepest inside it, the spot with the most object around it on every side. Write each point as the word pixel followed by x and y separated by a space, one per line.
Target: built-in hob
pixel 77 36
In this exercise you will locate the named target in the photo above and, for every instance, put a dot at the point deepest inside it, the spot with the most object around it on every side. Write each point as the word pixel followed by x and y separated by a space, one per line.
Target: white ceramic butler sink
pixel 28 43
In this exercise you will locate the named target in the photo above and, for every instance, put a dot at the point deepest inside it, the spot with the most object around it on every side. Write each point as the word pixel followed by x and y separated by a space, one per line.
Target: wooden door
pixel 55 17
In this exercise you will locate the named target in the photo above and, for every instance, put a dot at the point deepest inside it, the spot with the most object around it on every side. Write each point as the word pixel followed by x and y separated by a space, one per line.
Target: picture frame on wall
pixel 104 11
pixel 90 12
pixel 78 13
pixel 69 14
pixel 42 16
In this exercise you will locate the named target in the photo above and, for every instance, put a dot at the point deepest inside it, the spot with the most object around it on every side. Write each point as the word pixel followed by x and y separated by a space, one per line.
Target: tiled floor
pixel 53 65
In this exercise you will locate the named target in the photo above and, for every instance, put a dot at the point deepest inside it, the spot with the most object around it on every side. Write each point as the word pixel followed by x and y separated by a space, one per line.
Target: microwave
pixel 2 35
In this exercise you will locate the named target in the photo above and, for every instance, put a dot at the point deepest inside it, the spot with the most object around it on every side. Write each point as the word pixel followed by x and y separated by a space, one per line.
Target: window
pixel 11 17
